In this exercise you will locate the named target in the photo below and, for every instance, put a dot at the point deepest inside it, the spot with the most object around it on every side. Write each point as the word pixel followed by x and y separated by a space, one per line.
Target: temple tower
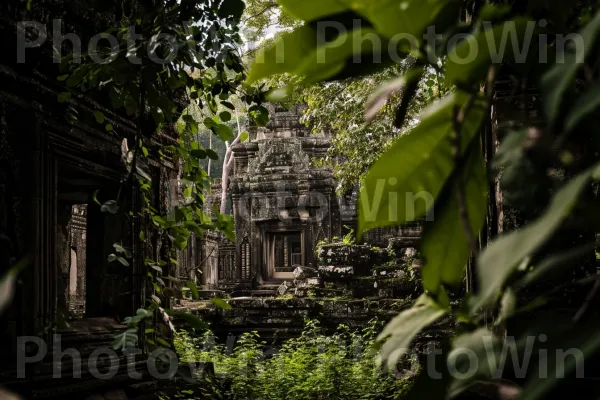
pixel 283 202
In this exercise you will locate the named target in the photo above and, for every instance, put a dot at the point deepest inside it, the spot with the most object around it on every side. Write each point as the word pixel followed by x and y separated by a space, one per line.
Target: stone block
pixel 361 257
pixel 305 273
pixel 336 273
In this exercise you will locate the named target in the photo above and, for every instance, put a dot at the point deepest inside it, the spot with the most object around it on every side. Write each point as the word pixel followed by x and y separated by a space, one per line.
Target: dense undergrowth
pixel 312 367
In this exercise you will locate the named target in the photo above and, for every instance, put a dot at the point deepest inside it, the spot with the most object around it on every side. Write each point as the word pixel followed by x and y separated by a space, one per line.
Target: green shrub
pixel 312 367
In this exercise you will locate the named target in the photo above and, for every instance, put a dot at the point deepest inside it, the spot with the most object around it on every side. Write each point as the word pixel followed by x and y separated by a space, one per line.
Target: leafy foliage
pixel 555 157
pixel 313 366
pixel 186 82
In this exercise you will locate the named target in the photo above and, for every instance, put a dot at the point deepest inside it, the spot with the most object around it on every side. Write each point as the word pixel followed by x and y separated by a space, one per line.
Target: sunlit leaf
pixel 403 184
pixel 194 290
pixel 221 303
pixel 190 319
pixel 311 10
pixel 444 245
pixel 401 331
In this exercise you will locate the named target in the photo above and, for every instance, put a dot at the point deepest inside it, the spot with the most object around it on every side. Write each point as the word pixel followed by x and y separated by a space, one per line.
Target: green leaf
pixel 462 68
pixel 224 132
pixel 507 305
pixel 312 10
pixel 585 104
pixel 212 154
pixel 130 105
pixel 123 261
pixel 560 78
pixel 329 59
pixel 225 116
pixel 401 331
pixel 112 257
pixel 444 244
pixel 193 126
pixel 194 290
pixel 157 115
pixel 126 339
pixel 63 78
pixel 192 320
pixel 99 117
pixel 228 105
pixel 163 342
pixel 95 198
pixel 198 153
pixel 285 55
pixel 244 137
pixel 142 236
pixel 409 17
pixel 486 349
pixel 64 97
pixel 221 303
pixel 500 260
pixel 110 206
pixel 108 127
pixel 260 115
pixel 209 123
pixel 396 192
pixel 380 97
pixel 492 12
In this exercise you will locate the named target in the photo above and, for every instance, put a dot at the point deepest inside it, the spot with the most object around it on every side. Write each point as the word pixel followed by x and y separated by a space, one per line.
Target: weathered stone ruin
pixel 50 167
pixel 274 276
pixel 290 260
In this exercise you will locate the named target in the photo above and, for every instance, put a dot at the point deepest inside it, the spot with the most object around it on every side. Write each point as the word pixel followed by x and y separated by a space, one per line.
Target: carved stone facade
pixel 282 203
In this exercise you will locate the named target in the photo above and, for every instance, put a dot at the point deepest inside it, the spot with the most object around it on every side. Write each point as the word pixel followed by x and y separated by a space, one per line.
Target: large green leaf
pixel 560 78
pixel 330 58
pixel 401 331
pixel 485 347
pixel 191 320
pixel 498 262
pixel 409 176
pixel 285 55
pixel 490 46
pixel 311 10
pixel 408 17
pixel 300 53
pixel 444 246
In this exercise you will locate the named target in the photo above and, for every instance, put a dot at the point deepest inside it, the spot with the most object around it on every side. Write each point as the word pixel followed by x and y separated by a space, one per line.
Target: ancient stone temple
pixel 282 203
pixel 289 261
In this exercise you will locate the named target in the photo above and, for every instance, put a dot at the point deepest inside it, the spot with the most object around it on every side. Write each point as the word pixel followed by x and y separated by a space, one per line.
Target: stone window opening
pixel 285 253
